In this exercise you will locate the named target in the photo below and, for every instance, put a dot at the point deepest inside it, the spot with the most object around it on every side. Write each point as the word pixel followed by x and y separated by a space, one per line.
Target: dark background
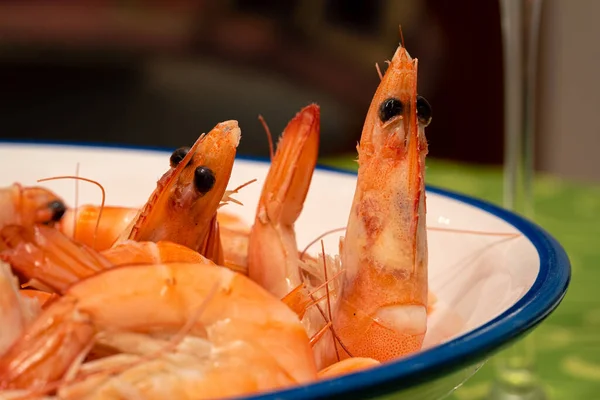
pixel 159 73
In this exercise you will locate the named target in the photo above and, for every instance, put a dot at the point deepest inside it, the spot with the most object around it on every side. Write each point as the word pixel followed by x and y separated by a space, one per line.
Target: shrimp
pixel 182 209
pixel 185 202
pixel 232 323
pixel 381 310
pixel 52 261
pixel 30 205
pixel 272 248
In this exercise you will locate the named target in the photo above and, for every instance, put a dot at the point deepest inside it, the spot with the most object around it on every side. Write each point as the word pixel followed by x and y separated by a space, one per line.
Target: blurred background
pixel 159 73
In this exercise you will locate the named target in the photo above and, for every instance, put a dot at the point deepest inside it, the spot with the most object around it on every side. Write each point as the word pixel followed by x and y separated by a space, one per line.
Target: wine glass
pixel 515 377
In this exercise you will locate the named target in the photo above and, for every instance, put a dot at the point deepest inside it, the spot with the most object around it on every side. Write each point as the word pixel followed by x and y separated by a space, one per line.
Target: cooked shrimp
pixel 29 205
pixel 182 209
pixel 273 259
pixel 240 340
pixel 381 309
pixel 52 261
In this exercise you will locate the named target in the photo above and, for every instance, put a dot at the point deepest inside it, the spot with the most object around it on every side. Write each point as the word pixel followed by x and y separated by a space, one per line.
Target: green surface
pixel 568 342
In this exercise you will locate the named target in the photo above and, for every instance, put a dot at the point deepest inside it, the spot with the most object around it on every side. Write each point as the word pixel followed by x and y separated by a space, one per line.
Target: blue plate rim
pixel 538 303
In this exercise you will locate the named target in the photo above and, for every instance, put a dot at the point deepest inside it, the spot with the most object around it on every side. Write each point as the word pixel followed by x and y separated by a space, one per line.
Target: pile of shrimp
pixel 181 299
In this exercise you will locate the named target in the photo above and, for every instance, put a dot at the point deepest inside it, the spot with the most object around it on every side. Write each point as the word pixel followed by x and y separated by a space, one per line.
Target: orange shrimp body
pixel 240 339
pixel 82 224
pixel 131 252
pixel 382 305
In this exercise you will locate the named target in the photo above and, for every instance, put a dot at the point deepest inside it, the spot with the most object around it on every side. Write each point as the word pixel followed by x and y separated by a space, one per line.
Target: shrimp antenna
pixel 317 336
pixel 401 35
pixel 101 204
pixel 378 71
pixel 228 193
pixel 269 136
pixel 429 228
pixel 243 185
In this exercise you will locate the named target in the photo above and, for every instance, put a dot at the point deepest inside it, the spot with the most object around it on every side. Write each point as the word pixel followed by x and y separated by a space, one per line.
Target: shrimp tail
pixel 45 255
pixel 273 259
pixel 47 349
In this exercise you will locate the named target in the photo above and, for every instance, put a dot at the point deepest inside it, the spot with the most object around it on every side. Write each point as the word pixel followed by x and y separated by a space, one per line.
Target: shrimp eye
pixel 204 179
pixel 178 155
pixel 423 110
pixel 58 209
pixel 389 109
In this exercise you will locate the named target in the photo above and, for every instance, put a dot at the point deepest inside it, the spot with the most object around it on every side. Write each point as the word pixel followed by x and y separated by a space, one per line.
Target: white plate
pixel 490 289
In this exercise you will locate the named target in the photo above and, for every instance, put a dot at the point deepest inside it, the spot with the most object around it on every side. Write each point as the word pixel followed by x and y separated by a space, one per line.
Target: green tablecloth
pixel 568 342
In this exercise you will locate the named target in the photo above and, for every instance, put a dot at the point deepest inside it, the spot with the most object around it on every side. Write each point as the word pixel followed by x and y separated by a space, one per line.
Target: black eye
pixel 58 209
pixel 423 110
pixel 178 155
pixel 389 109
pixel 204 179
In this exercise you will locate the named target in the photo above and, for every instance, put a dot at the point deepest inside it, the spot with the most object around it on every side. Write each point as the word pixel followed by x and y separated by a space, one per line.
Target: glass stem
pixel 515 378
pixel 520 32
